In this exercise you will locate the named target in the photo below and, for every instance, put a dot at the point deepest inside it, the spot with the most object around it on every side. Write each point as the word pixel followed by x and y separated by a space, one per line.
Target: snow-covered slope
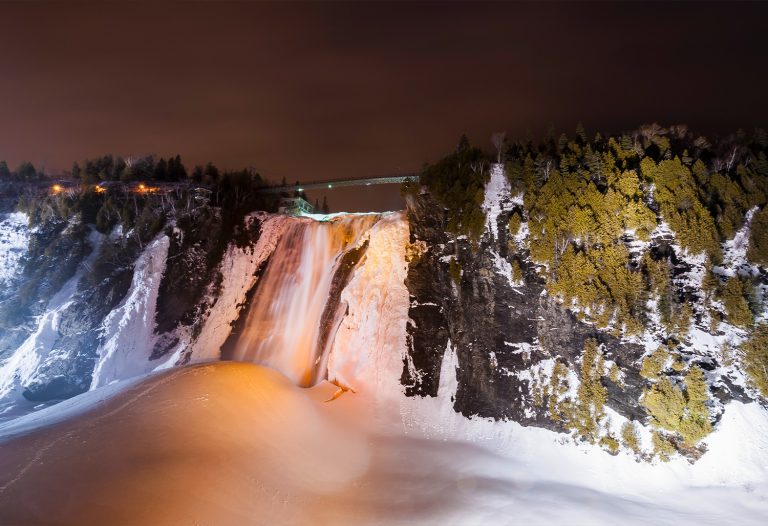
pixel 28 360
pixel 129 330
pixel 14 239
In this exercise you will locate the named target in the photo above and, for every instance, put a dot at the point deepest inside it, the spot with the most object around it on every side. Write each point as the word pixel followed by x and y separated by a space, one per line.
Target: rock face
pixel 501 326
pixel 59 289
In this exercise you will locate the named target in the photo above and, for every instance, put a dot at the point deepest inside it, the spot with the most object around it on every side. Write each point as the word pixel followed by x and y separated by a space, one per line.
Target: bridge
pixel 338 183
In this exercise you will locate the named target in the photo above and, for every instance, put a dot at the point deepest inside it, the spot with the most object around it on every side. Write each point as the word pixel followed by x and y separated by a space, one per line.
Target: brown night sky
pixel 312 91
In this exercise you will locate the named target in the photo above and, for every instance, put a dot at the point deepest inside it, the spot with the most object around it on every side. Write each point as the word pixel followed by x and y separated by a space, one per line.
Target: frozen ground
pixel 231 443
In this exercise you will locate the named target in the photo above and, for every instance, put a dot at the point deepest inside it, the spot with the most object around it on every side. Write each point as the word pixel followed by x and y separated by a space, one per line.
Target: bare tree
pixel 498 139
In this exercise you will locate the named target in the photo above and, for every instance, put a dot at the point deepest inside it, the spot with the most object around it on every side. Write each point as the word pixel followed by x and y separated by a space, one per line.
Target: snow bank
pixel 226 444
pixel 729 483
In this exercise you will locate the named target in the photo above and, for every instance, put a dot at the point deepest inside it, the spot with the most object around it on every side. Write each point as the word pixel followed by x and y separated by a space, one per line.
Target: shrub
pixel 514 223
pixel 654 364
pixel 630 437
pixel 610 444
pixel 684 413
pixel 663 446
pixel 758 238
pixel 755 358
pixel 736 306
pixel 591 393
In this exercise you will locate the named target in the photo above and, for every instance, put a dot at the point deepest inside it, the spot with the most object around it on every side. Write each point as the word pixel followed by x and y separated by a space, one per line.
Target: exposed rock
pixel 500 329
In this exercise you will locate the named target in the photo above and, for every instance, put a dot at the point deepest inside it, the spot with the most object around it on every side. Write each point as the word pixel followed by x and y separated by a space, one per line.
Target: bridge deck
pixel 337 183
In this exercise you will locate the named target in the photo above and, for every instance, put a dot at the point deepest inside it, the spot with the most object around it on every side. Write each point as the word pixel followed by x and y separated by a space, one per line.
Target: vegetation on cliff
pixel 458 182
pixel 657 239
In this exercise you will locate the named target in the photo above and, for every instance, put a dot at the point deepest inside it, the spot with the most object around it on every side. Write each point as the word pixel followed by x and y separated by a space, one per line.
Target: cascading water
pixel 295 308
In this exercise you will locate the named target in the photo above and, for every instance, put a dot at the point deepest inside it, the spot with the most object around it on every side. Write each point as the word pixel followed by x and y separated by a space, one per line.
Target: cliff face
pixel 80 308
pixel 524 355
pixel 503 327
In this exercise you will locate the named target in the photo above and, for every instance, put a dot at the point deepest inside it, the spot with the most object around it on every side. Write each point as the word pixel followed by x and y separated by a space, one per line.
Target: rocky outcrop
pixel 501 326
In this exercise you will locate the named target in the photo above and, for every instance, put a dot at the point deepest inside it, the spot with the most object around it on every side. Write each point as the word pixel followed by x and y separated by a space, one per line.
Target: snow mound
pixel 228 443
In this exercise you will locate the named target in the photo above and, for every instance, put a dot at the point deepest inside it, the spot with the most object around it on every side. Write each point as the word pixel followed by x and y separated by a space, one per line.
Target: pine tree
pixel 736 306
pixel 76 172
pixel 756 358
pixel 758 238
pixel 161 170
pixel 26 172
pixel 581 133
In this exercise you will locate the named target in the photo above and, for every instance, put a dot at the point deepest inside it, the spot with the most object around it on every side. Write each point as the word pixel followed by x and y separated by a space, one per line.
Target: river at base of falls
pixel 237 444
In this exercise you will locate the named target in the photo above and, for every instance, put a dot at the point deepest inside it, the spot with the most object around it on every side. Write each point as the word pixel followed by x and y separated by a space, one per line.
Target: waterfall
pixel 295 310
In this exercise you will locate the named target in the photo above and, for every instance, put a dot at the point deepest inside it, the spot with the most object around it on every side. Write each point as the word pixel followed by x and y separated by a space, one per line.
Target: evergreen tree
pixel 758 238
pixel 160 172
pixel 26 172
pixel 211 174
pixel 581 133
pixel 197 174
pixel 176 170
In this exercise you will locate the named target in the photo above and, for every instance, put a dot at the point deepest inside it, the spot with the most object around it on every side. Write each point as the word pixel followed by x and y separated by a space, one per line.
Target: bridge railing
pixel 338 183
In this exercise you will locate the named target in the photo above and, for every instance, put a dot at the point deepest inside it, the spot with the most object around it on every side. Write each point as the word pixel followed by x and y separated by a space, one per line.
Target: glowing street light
pixel 57 188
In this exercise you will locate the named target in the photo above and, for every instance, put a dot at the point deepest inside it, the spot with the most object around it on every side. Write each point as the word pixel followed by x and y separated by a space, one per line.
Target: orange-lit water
pixel 283 324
